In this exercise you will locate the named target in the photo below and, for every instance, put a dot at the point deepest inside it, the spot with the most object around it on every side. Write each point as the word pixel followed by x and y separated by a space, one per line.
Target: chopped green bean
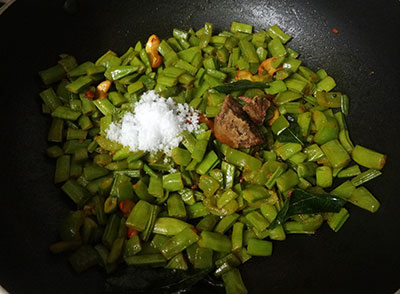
pixel 368 158
pixel 202 205
pixel 364 199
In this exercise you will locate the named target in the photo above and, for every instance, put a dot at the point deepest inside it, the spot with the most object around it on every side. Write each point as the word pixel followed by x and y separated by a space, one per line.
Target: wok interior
pixel 362 57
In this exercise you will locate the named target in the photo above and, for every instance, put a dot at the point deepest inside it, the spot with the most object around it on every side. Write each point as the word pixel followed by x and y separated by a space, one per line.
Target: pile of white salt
pixel 154 125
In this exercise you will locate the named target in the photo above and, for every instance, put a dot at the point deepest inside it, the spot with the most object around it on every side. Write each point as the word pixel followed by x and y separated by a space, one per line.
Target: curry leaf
pixel 240 86
pixel 291 134
pixel 132 279
pixel 303 202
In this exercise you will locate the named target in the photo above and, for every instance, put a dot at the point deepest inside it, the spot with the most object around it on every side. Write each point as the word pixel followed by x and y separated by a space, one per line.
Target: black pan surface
pixel 362 258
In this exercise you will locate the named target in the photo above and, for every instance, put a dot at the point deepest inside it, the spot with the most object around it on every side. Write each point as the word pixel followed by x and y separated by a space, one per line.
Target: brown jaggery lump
pixel 233 125
pixel 256 108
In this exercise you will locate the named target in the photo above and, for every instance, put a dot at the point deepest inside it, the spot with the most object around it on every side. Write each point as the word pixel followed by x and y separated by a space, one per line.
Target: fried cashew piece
pixel 243 75
pixel 266 65
pixel 102 89
pixel 246 75
pixel 152 51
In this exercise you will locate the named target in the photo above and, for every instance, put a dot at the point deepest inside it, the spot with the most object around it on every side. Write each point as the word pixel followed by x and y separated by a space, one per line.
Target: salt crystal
pixel 154 125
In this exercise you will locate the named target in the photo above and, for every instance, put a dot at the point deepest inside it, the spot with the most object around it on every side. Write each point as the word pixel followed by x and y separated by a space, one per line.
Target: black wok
pixel 362 258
